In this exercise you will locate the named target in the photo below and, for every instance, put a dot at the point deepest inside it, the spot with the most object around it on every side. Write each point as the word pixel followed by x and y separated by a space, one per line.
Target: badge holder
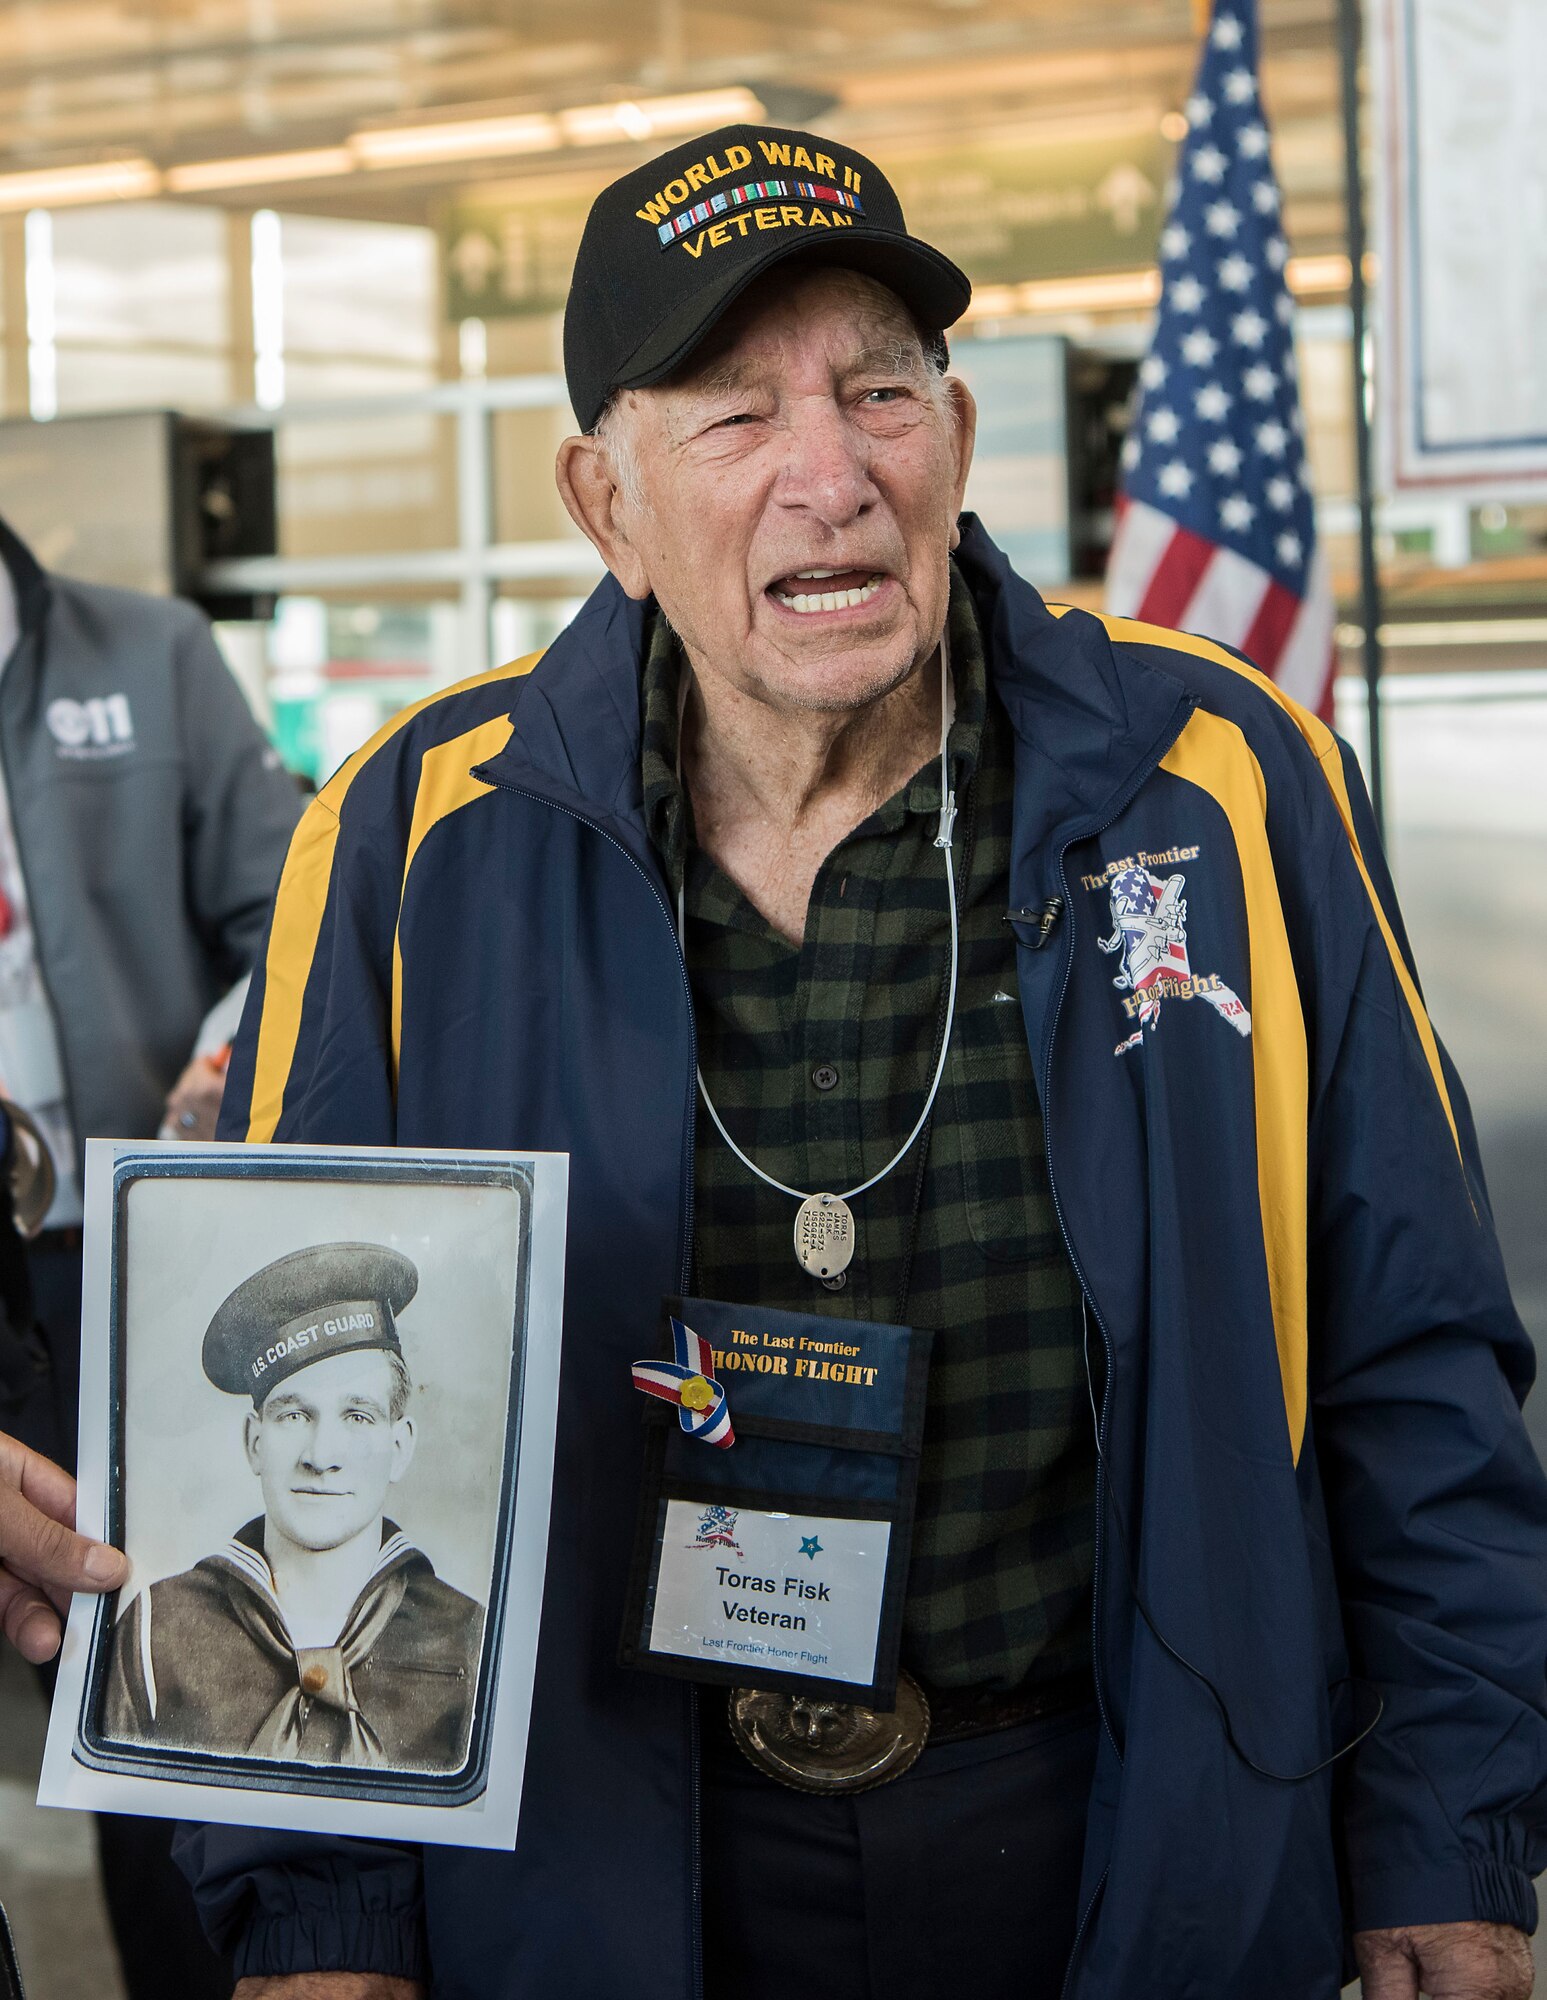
pixel 779 1560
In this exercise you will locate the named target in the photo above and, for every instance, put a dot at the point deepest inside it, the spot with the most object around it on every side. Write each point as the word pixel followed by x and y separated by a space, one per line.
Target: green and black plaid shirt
pixel 818 1058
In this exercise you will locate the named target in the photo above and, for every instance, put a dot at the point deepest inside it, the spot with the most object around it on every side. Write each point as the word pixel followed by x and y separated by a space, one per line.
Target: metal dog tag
pixel 824 1235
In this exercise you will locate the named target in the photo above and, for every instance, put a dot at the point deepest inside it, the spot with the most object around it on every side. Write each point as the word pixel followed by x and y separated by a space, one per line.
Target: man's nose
pixel 321 1452
pixel 826 468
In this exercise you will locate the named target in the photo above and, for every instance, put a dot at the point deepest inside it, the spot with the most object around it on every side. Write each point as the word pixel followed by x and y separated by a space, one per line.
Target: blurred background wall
pixel 334 236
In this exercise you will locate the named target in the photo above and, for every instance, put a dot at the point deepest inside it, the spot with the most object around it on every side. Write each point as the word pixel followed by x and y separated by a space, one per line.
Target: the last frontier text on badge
pixel 798 1355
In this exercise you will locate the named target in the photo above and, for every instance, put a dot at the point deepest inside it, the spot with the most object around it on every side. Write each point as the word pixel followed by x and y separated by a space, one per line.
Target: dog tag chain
pixel 824 1223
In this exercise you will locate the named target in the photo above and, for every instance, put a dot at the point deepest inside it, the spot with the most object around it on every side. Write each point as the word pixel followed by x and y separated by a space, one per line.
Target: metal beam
pixel 1369 573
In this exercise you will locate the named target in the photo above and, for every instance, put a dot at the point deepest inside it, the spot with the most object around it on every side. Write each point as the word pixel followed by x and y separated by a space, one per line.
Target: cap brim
pixel 929 285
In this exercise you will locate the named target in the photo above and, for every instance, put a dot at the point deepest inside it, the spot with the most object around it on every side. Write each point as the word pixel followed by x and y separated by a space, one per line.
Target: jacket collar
pixel 1087 725
pixel 28 579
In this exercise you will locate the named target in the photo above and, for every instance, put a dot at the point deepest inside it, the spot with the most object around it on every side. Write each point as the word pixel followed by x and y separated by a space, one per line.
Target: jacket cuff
pixel 390 1943
pixel 1475 1890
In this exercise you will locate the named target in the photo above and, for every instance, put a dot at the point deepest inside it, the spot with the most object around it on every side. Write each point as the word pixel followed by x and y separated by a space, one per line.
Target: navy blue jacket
pixel 1314 1463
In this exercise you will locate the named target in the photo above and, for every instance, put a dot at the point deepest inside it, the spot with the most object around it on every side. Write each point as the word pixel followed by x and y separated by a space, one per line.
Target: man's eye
pixel 359 1417
pixel 884 395
pixel 740 417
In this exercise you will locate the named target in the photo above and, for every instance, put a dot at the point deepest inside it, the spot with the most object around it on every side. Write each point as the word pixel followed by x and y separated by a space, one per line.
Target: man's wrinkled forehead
pixel 864 326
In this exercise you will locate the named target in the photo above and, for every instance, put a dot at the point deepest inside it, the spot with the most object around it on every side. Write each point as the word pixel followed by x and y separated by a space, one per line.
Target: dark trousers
pixel 160 1943
pixel 960 1877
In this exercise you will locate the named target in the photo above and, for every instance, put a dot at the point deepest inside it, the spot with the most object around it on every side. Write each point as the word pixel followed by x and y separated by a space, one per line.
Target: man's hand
pixel 1447 1961
pixel 193 1102
pixel 42 1559
pixel 329 1986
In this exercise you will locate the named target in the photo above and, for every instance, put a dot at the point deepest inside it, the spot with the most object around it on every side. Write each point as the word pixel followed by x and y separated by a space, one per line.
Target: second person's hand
pixel 42 1559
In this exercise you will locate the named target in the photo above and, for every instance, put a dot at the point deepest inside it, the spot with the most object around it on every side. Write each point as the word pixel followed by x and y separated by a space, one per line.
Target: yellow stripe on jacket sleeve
pixel 1214 755
pixel 446 783
pixel 299 907
pixel 1325 746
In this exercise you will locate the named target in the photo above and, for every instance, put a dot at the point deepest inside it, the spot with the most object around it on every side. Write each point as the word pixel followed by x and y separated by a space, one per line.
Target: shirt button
pixel 824 1076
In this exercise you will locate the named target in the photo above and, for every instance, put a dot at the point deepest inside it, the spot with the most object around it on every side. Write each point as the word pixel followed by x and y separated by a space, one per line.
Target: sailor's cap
pixel 303 1308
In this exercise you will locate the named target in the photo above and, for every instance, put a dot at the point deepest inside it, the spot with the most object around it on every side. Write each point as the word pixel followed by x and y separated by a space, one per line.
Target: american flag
pixel 1216 530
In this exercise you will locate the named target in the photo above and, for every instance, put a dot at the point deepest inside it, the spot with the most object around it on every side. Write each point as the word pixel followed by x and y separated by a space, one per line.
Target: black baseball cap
pixel 670 245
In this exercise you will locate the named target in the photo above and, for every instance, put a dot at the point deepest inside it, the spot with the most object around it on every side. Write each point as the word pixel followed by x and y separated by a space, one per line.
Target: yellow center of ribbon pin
pixel 697 1394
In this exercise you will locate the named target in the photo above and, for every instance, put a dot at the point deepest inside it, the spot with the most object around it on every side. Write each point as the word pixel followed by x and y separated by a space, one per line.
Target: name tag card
pixel 781 1561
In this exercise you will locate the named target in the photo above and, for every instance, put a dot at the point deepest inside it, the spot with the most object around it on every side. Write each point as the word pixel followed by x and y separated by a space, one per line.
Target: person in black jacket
pixel 144 819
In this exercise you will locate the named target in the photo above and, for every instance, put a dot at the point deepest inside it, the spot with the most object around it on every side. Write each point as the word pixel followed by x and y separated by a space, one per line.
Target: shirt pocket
pixel 1001 1153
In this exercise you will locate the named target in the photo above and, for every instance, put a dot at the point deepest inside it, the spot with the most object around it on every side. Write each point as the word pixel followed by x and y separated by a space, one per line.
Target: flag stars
pixel 1199 109
pixel 1249 328
pixel 1265 197
pixel 1228 33
pixel 1164 426
pixel 1277 252
pixel 1237 513
pixel 1132 452
pixel 1152 371
pixel 1235 273
pixel 1252 141
pixel 1225 458
pixel 1259 382
pixel 1199 347
pixel 1176 480
pixel 1240 86
pixel 1291 550
pixel 1175 241
pixel 1186 295
pixel 1281 493
pixel 1212 404
pixel 1272 439
pixel 1209 164
pixel 1222 218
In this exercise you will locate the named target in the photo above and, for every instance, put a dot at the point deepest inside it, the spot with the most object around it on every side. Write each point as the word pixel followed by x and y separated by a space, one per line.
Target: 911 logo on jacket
pixel 1149 928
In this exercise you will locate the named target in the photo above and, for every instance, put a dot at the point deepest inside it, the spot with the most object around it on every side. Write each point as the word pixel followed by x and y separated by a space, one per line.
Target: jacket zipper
pixel 1087 1298
pixel 684 1273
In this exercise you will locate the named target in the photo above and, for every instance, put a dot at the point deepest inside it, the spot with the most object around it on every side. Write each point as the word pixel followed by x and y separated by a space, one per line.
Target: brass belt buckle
pixel 829 1746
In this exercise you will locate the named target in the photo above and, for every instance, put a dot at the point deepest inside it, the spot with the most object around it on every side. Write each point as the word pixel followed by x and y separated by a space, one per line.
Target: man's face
pixel 809 437
pixel 326 1449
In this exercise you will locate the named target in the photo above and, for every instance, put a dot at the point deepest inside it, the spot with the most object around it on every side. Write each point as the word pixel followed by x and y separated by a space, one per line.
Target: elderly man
pixel 319 1633
pixel 1078 1029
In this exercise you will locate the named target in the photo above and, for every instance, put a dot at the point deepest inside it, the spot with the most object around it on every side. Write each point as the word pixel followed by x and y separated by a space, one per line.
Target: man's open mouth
pixel 827 589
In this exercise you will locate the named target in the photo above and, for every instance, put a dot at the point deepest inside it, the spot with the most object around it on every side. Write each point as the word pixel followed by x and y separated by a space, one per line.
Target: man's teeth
pixel 828 600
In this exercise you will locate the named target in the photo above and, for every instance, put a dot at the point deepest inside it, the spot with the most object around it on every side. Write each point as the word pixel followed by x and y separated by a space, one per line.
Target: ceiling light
pixel 652 117
pixel 628 119
pixel 259 169
pixel 61 187
pixel 1331 273
pixel 458 139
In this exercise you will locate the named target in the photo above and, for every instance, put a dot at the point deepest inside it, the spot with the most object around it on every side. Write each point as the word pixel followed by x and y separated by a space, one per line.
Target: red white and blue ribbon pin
pixel 689 1383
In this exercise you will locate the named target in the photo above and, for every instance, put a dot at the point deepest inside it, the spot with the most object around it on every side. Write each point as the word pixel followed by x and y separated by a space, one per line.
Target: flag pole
pixel 1369 574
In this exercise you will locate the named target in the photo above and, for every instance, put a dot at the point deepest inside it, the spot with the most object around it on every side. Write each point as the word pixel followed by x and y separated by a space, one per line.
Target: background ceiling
pixel 176 81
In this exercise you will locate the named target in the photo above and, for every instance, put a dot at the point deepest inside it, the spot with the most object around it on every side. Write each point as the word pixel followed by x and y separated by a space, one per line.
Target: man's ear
pixel 593 498
pixel 403 1447
pixel 250 1438
pixel 964 433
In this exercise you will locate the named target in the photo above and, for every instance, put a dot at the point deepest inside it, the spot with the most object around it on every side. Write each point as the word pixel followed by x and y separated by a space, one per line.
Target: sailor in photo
pixel 319 1633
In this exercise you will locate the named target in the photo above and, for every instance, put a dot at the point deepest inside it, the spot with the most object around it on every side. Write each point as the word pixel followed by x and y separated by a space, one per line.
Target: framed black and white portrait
pixel 317 1412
